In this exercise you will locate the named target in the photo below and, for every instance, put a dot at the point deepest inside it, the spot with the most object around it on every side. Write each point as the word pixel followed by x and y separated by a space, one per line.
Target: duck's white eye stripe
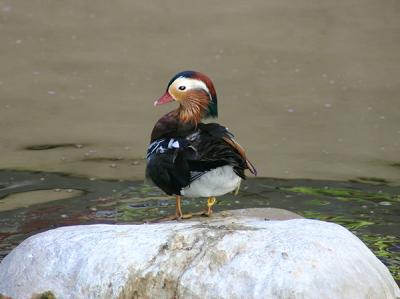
pixel 190 83
pixel 175 144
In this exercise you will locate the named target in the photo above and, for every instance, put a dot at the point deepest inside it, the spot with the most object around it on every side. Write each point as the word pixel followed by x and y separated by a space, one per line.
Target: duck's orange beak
pixel 166 98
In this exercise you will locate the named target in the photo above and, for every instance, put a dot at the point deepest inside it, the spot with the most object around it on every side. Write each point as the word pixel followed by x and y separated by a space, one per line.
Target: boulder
pixel 253 253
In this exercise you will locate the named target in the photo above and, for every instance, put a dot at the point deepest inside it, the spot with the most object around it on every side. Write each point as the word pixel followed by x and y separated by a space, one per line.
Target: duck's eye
pixel 182 87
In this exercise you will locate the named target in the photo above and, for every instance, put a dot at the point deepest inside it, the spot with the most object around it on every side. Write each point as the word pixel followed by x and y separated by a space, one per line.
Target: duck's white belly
pixel 216 182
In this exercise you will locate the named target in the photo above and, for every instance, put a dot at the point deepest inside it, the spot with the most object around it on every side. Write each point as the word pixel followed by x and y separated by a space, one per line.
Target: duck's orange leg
pixel 178 210
pixel 210 202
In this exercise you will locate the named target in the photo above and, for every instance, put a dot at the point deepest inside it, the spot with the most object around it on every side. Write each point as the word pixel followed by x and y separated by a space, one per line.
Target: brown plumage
pixel 187 157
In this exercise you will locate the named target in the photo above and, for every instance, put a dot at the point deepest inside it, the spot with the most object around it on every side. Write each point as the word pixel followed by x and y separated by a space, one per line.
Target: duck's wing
pixel 166 165
pixel 214 147
pixel 242 153
pixel 173 163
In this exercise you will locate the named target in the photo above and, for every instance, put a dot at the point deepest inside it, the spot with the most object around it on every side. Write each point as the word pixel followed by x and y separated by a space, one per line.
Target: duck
pixel 189 157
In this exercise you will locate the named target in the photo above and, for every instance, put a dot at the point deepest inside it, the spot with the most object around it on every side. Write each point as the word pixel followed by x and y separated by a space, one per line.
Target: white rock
pixel 233 255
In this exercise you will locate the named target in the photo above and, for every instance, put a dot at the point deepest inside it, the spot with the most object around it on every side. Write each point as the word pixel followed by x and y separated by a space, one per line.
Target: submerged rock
pixel 235 254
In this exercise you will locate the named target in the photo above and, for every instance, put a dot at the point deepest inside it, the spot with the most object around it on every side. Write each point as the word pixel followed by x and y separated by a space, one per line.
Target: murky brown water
pixel 310 88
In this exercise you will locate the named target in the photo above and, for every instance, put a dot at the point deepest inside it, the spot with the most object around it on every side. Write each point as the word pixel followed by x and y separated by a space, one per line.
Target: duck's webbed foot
pixel 178 210
pixel 210 202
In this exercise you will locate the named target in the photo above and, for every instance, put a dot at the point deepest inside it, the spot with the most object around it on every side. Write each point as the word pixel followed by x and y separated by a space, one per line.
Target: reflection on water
pixel 368 210
pixel 30 198
pixel 310 89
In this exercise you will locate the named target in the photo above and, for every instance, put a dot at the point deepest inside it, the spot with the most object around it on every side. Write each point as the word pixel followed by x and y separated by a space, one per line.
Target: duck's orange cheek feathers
pixel 177 95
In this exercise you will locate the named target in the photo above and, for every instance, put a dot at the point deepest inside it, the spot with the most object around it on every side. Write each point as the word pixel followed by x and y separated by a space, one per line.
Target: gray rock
pixel 236 254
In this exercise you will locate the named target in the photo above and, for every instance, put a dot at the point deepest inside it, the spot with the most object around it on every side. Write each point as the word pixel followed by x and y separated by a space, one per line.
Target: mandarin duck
pixel 187 157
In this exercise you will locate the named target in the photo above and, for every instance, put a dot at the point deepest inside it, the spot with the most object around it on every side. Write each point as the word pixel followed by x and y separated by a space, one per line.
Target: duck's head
pixel 195 94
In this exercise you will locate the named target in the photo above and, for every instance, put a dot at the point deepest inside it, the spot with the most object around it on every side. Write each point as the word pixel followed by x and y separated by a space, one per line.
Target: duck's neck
pixel 171 125
pixel 194 107
pixel 192 114
pixel 184 119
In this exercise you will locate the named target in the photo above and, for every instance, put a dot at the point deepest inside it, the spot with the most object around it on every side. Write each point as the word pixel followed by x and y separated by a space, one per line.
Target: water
pixel 311 89
pixel 368 210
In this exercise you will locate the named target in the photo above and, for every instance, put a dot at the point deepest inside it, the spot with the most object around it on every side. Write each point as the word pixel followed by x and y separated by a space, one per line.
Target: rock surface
pixel 235 254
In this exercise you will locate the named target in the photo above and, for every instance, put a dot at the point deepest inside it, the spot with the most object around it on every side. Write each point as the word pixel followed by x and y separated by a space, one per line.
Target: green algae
pixel 127 214
pixel 387 248
pixel 351 224
pixel 344 194
pixel 45 295
pixel 319 191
